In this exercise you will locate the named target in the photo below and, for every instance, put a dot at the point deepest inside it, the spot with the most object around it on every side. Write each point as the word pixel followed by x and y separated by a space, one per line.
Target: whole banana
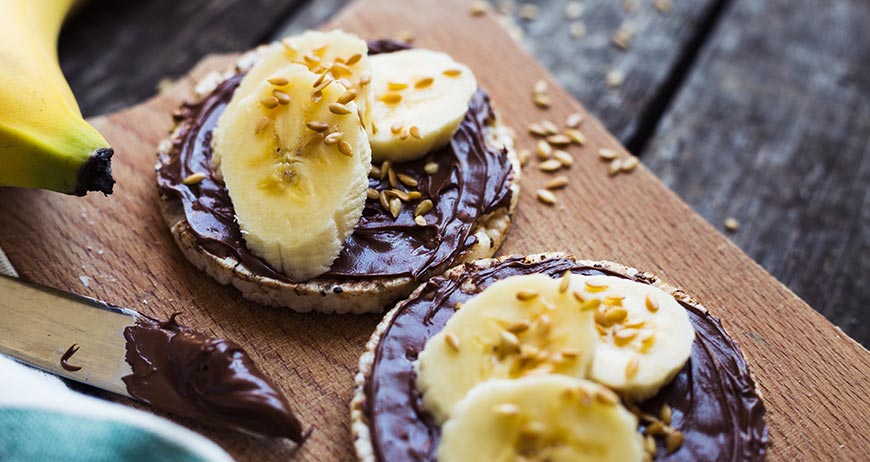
pixel 44 141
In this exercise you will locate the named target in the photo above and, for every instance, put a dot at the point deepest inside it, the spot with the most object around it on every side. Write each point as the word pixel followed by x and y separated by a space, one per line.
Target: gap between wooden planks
pixel 813 377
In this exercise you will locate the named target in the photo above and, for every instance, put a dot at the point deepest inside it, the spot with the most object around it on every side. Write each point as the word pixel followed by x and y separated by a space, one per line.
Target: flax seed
pixel 546 197
pixel 278 81
pixel 395 207
pixel 557 183
pixel 527 294
pixel 543 149
pixel 452 341
pixel 372 193
pixel 576 136
pixel 407 180
pixel 346 97
pixel 563 157
pixel 550 165
pixel 574 120
pixel 269 102
pixel 345 148
pixel 333 138
pixel 607 154
pixel 339 109
pixel 452 72
pixel 261 125
pixel 430 168
pixel 629 164
pixel 632 367
pixel 615 167
pixel 317 126
pixel 424 207
pixel 193 178
pixel 391 97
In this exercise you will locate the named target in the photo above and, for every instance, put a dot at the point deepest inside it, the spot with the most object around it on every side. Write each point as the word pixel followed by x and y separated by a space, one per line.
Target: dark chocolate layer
pixel 472 181
pixel 214 381
pixel 713 399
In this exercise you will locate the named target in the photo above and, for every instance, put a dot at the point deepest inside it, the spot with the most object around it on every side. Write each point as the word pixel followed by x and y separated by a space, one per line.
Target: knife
pixel 39 324
pixel 162 363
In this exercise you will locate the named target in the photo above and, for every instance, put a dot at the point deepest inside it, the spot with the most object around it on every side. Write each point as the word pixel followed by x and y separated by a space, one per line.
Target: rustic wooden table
pixel 752 109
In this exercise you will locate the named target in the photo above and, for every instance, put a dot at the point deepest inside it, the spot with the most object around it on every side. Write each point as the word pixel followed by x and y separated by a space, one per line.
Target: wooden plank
pixel 772 129
pixel 812 376
pixel 115 54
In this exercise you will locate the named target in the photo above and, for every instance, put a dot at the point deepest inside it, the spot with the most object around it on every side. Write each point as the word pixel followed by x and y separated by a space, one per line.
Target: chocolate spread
pixel 214 381
pixel 713 399
pixel 471 181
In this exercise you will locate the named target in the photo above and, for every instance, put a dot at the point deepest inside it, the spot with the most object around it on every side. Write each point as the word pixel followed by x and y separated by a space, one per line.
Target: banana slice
pixel 645 336
pixel 335 56
pixel 295 162
pixel 545 418
pixel 419 99
pixel 522 325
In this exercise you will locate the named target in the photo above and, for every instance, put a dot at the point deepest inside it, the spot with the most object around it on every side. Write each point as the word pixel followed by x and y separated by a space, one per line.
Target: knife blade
pixel 39 324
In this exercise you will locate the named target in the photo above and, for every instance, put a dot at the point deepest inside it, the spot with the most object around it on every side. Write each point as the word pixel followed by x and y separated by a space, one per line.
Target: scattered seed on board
pixel 542 101
pixel 430 168
pixel 546 197
pixel 540 86
pixel 193 178
pixel 537 129
pixel 607 154
pixel 543 149
pixel 524 156
pixel 566 159
pixel 557 183
pixel 577 29
pixel 615 167
pixel 731 224
pixel 477 8
pixel 559 140
pixel 550 165
pixel 549 127
pixel 574 120
pixel 614 78
pixel 629 164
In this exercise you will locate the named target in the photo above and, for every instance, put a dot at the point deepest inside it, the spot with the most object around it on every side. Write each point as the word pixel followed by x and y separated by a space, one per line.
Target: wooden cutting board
pixel 815 380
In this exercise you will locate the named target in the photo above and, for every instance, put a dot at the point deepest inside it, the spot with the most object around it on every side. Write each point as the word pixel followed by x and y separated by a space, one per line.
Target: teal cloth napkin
pixel 42 420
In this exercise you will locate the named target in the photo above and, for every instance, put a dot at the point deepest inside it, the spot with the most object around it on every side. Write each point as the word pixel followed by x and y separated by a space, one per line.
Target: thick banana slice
pixel 419 99
pixel 522 325
pixel 645 336
pixel 295 160
pixel 334 56
pixel 541 418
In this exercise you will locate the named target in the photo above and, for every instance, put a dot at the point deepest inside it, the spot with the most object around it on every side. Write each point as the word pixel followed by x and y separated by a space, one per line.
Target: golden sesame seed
pixel 269 102
pixel 576 136
pixel 375 172
pixel 524 156
pixel 509 340
pixel 546 197
pixel 310 59
pixel 577 29
pixel 673 442
pixel 346 97
pixel 362 120
pixel 559 140
pixel 372 194
pixel 452 72
pixel 332 138
pixel 345 148
pixel 579 296
pixel 607 154
pixel 430 168
pixel 477 8
pixel 527 294
pixel 665 414
pixel 625 335
pixel 317 126
pixel 519 326
pixel 632 367
pixel 629 164
pixel 316 96
pixel 543 149
pixel 573 121
pixel 540 86
pixel 261 125
pixel 402 195
pixel 405 133
pixel 193 178
pixel 573 10
pixel 655 428
pixel 339 109
pixel 407 180
pixel 615 167
pixel 452 341
pixel 319 51
pixel 396 127
pixel 613 300
pixel 614 78
pixel 288 45
pixel 415 132
pixel 414 195
pixel 565 282
pixel 353 59
pixel 591 304
pixel 391 175
pixel 615 314
pixel 633 321
pixel 601 319
pixel 731 224
pixel 557 183
pixel 649 445
pixel 395 207
pixel 528 11
pixel 570 352
pixel 278 81
pixel 385 203
pixel 423 207
pixel 542 101
pixel 537 129
pixel 595 288
pixel 391 97
pixel 397 85
pixel 646 335
pixel 365 78
pixel 651 304
pixel 283 98
pixel 563 157
pixel 386 166
pixel 423 83
pixel 420 220
pixel 340 69
pixel 549 127
pixel 320 79
pixel 550 165
pixel 606 396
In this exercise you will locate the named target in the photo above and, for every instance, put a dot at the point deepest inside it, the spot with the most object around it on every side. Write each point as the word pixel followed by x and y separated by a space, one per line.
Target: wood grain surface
pixel 813 377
